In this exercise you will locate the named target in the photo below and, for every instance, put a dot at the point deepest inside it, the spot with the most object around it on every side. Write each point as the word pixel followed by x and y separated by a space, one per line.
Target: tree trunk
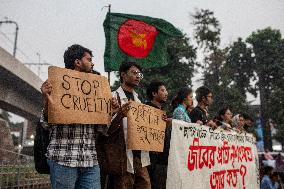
pixel 264 112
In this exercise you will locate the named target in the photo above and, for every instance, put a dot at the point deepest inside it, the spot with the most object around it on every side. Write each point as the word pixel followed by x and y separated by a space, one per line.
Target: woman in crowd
pixel 224 118
pixel 238 122
pixel 181 103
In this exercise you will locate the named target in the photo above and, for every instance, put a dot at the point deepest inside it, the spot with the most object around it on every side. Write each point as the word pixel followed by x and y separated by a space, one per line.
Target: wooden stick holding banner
pixel 146 128
pixel 77 97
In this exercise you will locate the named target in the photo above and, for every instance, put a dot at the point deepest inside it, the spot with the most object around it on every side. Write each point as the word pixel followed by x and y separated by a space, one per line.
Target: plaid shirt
pixel 72 145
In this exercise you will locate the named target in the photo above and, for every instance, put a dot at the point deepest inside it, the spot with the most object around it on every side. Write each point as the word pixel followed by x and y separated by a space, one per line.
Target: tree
pixel 276 105
pixel 267 45
pixel 239 67
pixel 207 29
pixel 217 73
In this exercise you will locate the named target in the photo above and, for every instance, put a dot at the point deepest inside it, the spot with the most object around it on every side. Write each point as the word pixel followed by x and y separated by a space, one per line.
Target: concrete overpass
pixel 19 88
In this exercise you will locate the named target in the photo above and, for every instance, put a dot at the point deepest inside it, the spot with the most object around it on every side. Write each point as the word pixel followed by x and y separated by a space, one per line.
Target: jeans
pixel 63 177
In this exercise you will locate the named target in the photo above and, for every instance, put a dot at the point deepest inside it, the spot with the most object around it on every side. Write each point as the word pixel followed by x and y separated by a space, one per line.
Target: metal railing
pixel 19 173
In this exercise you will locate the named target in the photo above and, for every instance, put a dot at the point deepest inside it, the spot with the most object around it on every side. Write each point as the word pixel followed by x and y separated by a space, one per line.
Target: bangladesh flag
pixel 136 38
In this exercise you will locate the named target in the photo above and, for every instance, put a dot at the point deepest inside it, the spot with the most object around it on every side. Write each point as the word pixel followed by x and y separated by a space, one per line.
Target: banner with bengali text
pixel 203 158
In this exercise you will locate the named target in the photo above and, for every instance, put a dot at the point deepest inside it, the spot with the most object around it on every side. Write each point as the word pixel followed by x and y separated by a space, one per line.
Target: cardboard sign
pixel 211 159
pixel 78 97
pixel 146 128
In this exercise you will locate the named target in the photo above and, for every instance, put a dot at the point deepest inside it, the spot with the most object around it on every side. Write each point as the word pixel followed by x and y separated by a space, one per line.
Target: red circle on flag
pixel 136 38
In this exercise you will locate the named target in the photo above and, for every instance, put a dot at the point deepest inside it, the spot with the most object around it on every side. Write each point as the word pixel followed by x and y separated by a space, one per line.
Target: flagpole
pixel 108 77
pixel 108 73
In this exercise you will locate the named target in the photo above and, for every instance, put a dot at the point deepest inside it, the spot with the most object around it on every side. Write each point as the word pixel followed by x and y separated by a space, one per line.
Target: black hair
pixel 181 95
pixel 74 52
pixel 202 92
pixel 153 87
pixel 222 112
pixel 125 66
pixel 247 117
pixel 267 170
pixel 275 174
pixel 241 115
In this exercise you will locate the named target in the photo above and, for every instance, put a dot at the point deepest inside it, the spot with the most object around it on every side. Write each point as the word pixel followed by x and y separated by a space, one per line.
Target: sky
pixel 48 27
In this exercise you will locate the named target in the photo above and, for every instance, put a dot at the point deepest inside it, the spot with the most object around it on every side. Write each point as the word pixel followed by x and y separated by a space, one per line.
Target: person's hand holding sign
pixel 123 110
pixel 115 105
pixel 46 90
pixel 167 119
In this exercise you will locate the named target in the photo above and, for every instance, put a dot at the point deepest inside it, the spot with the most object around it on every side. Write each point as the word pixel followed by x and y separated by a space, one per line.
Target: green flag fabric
pixel 136 38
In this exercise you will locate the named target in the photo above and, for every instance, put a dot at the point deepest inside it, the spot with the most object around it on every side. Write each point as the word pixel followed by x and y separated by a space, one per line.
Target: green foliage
pixel 239 67
pixel 221 67
pixel 230 72
pixel 267 45
pixel 207 29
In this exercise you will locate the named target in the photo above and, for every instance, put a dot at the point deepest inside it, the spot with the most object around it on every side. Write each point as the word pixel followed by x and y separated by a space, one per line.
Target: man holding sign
pixel 71 153
pixel 132 173
pixel 157 95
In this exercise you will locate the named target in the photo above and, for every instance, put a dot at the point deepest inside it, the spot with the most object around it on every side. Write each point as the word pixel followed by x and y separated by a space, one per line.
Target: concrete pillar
pixel 24 132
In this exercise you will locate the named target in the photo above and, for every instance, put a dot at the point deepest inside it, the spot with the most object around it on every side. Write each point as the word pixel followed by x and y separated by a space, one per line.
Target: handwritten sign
pixel 206 158
pixel 146 128
pixel 78 97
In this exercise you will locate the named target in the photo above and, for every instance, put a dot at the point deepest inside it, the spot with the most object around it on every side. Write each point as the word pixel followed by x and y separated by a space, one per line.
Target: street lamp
pixel 16 34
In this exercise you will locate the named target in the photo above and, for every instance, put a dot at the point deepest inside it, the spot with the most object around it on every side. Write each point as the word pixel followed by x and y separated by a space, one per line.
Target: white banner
pixel 203 158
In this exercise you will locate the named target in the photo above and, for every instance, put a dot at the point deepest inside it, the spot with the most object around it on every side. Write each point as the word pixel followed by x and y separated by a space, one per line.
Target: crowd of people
pixel 91 156
pixel 271 170
pixel 184 110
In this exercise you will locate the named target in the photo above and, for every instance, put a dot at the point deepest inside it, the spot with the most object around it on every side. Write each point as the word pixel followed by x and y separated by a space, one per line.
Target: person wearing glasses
pixel 127 168
pixel 199 114
pixel 224 118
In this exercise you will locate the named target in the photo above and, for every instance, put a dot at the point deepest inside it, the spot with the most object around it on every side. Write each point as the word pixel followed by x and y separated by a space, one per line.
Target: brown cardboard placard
pixel 78 97
pixel 146 128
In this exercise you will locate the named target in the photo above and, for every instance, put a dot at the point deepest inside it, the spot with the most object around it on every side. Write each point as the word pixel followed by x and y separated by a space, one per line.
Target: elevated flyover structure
pixel 19 88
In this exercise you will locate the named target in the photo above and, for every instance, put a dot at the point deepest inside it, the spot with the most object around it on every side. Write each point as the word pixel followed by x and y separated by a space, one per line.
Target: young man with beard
pixel 71 153
pixel 128 168
pixel 157 95
pixel 200 114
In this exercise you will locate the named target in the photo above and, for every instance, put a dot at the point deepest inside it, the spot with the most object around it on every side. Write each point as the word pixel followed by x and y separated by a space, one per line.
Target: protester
pixel 200 114
pixel 127 168
pixel 181 102
pixel 238 122
pixel 267 155
pixel 71 153
pixel 157 95
pixel 276 180
pixel 249 123
pixel 266 182
pixel 279 164
pixel 224 118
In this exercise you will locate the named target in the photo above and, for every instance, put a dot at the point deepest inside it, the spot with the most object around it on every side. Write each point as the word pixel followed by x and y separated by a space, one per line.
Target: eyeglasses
pixel 136 73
